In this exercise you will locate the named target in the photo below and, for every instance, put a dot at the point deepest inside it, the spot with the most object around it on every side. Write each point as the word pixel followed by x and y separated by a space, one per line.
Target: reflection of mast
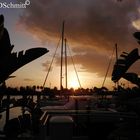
pixel 61 69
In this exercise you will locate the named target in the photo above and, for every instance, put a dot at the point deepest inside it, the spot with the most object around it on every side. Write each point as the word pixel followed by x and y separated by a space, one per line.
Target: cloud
pixel 47 67
pixel 92 26
pixel 92 62
pixel 136 24
pixel 28 80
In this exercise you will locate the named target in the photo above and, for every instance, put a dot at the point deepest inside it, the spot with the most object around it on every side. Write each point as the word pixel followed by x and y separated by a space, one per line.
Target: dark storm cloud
pixel 94 62
pixel 91 26
pixel 89 62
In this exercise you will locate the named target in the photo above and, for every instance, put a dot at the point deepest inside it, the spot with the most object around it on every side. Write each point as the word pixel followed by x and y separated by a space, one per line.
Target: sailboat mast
pixel 61 69
pixel 116 47
pixel 66 63
pixel 116 53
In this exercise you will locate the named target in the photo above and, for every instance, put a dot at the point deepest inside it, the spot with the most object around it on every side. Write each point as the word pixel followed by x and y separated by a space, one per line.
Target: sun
pixel 73 84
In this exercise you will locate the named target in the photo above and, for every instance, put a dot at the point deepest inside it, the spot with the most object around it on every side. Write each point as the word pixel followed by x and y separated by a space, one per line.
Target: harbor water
pixel 14 112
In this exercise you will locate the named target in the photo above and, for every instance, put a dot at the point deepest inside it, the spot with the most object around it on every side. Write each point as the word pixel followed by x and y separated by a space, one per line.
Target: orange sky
pixel 92 28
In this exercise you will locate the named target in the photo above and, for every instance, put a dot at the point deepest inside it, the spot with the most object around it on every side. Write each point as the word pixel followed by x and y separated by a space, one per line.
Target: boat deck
pixel 84 125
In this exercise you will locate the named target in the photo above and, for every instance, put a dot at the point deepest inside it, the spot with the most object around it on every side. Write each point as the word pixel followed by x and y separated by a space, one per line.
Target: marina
pixel 84 113
pixel 65 108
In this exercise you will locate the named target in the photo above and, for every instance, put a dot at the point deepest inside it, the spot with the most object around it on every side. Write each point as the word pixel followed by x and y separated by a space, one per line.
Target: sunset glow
pixel 74 84
pixel 69 69
pixel 91 30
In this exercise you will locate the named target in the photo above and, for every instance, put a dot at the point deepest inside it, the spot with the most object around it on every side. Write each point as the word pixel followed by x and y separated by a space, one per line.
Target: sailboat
pixel 64 62
pixel 61 101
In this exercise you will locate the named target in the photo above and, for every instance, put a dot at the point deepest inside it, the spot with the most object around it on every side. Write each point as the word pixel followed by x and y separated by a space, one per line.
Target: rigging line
pixel 49 69
pixel 108 66
pixel 74 67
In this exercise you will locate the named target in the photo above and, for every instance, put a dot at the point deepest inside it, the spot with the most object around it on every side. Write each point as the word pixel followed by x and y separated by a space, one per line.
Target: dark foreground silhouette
pixel 11 61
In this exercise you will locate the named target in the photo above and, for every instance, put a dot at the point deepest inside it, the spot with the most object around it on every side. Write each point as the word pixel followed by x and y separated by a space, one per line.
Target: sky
pixel 92 28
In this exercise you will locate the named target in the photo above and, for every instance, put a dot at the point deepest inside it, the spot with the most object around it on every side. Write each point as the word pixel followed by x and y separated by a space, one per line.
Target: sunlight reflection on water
pixel 14 112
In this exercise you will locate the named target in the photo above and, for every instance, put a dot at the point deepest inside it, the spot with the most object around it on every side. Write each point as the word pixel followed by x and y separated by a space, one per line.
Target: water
pixel 14 112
